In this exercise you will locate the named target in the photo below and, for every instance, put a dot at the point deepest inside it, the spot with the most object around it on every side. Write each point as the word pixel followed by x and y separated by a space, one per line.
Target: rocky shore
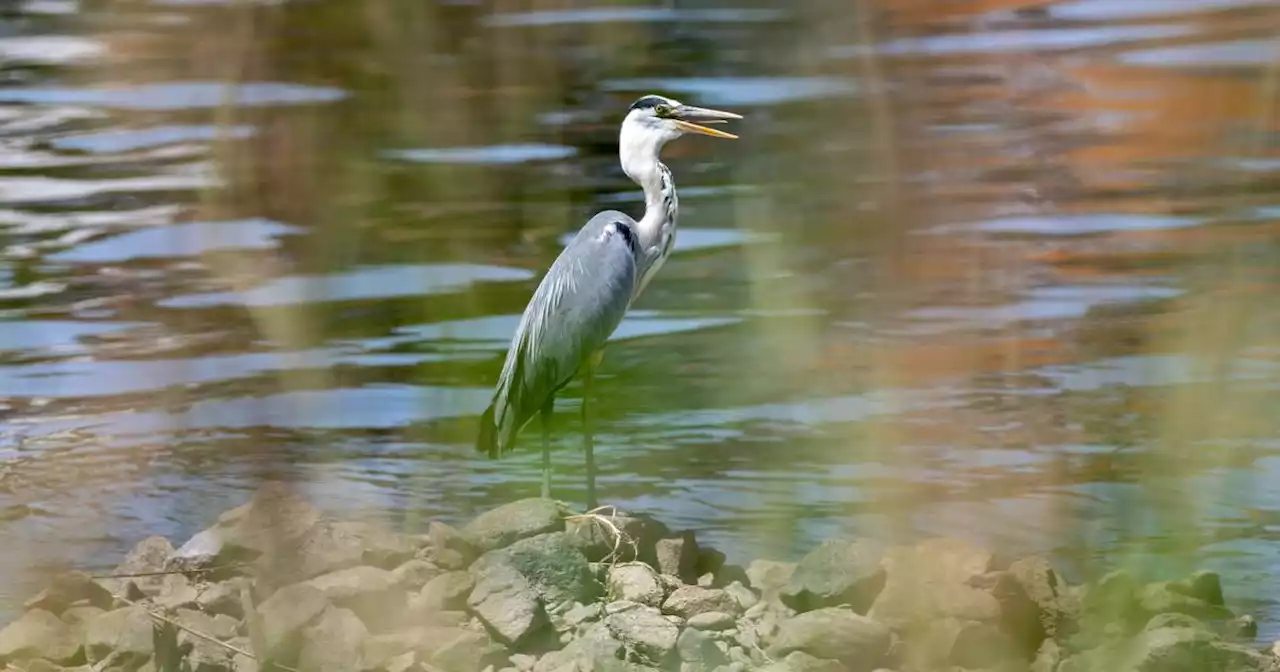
pixel 530 587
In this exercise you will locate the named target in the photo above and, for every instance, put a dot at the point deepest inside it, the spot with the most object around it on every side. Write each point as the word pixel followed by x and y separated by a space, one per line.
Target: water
pixel 313 274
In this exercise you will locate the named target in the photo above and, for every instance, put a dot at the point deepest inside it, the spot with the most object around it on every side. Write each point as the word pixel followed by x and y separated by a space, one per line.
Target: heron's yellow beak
pixel 685 116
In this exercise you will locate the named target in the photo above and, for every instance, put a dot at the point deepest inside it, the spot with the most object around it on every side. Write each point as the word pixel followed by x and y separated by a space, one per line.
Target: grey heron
pixel 589 288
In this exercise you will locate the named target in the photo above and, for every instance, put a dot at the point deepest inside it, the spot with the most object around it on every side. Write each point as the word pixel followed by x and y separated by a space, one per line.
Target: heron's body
pixel 588 289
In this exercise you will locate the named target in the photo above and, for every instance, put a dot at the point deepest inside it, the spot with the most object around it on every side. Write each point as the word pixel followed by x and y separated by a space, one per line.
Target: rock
pixel 39 634
pixel 1168 597
pixel 1173 621
pixel 556 569
pixel 677 556
pixel 1112 599
pixel 204 550
pixel 857 642
pixel 285 615
pixel 583 613
pixel 68 588
pixel 1047 658
pixel 523 662
pixel 468 652
pixel 176 592
pixel 709 561
pixel 379 649
pixel 273 521
pixel 1020 616
pixel 1203 585
pixel 370 592
pixel 711 620
pixel 333 643
pixel 596 649
pixel 508 604
pixel 940 560
pixel 966 644
pixel 902 604
pixel 696 646
pixel 598 542
pixel 221 628
pixel 414 574
pixel 742 595
pixel 383 548
pixel 688 601
pixel 443 537
pixel 1173 649
pixel 446 592
pixel 326 547
pixel 1243 628
pixel 124 634
pixel 646 632
pixel 81 613
pixel 1044 587
pixel 799 661
pixel 509 523
pixel 223 597
pixel 150 555
pixel 637 582
pixel 770 577
pixel 836 572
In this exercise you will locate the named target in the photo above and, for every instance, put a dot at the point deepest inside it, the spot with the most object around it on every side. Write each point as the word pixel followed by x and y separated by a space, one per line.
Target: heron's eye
pixel 662 110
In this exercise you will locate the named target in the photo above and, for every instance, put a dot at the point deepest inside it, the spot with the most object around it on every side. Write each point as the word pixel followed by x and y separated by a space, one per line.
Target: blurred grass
pixel 423 74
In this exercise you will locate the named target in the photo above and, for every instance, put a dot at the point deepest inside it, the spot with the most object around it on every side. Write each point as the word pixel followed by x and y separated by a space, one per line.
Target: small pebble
pixel 711 620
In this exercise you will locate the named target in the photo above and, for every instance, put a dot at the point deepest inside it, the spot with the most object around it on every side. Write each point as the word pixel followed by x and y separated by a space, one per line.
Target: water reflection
pixel 944 283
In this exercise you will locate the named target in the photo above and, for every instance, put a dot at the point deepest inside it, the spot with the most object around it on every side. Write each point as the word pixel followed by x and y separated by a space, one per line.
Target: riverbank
pixel 531 587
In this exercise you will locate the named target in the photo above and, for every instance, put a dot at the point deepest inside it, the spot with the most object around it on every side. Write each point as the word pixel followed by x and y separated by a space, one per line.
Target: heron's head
pixel 654 120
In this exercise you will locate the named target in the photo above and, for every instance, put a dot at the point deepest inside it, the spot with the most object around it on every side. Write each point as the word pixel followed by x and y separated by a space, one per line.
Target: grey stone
pixel 941 560
pixel 285 615
pixel 123 633
pixel 68 588
pixel 742 595
pixel 965 644
pixel 677 556
pixel 1020 616
pixel 836 572
pixel 222 630
pixel 555 568
pixel 583 613
pixel 770 577
pixel 903 604
pixel 598 541
pixel 595 649
pixel 444 537
pixel 1044 587
pixel 333 643
pixel 687 601
pixel 858 642
pixel 711 620
pixel 645 631
pixel 447 592
pixel 81 613
pixel 636 582
pixel 508 604
pixel 696 646
pixel 414 574
pixel 1168 597
pixel 468 651
pixel 273 521
pixel 176 592
pixel 1048 658
pixel 523 661
pixel 39 634
pixel 223 597
pixel 1173 649
pixel 799 661
pixel 149 555
pixel 509 523
pixel 370 592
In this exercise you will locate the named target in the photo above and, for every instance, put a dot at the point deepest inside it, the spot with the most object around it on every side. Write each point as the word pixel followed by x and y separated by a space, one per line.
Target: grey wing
pixel 576 307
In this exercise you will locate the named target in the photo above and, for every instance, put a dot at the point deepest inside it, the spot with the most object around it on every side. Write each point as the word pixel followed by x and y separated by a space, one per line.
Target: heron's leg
pixel 546 450
pixel 588 441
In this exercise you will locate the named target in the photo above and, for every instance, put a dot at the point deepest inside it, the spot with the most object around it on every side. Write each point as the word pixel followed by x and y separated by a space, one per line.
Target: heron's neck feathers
pixel 638 150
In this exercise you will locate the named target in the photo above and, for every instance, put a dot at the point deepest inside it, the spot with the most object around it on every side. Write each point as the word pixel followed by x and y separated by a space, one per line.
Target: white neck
pixel 638 150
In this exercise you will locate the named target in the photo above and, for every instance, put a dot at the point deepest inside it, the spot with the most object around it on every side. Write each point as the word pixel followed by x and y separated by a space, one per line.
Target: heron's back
pixel 576 307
